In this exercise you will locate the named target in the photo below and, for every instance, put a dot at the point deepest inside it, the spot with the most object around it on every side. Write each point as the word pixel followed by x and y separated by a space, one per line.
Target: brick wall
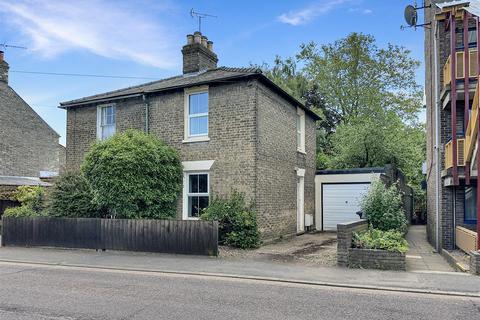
pixel 475 262
pixel 376 259
pixel 27 145
pixel 277 159
pixel 344 239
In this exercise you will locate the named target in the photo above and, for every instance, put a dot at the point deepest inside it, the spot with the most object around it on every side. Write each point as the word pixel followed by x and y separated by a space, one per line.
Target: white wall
pixel 336 178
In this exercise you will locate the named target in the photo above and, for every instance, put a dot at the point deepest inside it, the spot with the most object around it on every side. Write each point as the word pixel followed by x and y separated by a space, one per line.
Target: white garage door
pixel 341 202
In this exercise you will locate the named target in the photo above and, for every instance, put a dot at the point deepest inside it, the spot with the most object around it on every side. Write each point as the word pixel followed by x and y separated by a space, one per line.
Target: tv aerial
pixel 200 16
pixel 4 46
pixel 411 16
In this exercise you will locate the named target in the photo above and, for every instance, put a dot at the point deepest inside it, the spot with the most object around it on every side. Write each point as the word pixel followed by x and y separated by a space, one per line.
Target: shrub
pixel 382 240
pixel 382 207
pixel 31 200
pixel 237 221
pixel 72 197
pixel 134 175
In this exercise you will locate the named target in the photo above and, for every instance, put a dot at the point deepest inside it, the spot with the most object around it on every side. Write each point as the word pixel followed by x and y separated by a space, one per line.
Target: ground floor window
pixel 471 204
pixel 197 194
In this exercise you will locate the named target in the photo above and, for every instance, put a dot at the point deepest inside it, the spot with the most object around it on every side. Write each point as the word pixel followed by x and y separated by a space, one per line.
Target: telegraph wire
pixel 83 75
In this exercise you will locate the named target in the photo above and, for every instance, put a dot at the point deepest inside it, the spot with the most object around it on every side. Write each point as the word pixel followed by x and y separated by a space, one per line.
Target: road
pixel 55 292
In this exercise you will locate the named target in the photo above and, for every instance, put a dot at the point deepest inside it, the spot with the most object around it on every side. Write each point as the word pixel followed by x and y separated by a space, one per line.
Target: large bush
pixel 382 207
pixel 134 175
pixel 32 202
pixel 382 240
pixel 237 221
pixel 72 197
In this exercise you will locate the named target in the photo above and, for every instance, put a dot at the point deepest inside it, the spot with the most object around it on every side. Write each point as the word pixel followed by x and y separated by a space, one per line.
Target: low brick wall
pixel 475 262
pixel 344 239
pixel 375 259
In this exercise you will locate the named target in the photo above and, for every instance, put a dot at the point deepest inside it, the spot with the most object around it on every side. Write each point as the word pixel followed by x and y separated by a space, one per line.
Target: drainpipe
pixel 437 138
pixel 453 97
pixel 147 110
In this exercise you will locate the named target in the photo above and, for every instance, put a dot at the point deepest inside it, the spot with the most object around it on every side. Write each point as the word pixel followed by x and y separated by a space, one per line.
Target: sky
pixel 143 38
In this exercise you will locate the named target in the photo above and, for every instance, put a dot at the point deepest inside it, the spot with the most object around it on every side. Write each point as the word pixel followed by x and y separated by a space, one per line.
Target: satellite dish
pixel 411 15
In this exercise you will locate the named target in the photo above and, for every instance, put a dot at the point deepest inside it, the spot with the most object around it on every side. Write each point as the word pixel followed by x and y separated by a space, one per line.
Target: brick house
pixel 233 127
pixel 452 123
pixel 29 147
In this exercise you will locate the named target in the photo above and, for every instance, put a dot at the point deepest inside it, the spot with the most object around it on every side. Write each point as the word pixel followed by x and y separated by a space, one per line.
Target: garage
pixel 338 195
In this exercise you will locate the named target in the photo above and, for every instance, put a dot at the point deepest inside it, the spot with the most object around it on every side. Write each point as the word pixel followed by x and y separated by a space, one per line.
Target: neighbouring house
pixel 339 193
pixel 452 71
pixel 233 127
pixel 29 147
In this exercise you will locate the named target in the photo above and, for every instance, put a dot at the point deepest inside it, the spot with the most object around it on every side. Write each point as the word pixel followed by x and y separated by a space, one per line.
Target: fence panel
pixel 168 236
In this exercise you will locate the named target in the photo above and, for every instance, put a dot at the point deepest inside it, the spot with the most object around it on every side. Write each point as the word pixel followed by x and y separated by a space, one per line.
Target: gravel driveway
pixel 311 249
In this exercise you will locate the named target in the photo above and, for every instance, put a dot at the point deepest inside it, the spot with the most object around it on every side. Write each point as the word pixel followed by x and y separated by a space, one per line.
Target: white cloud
pixel 118 30
pixel 367 11
pixel 307 14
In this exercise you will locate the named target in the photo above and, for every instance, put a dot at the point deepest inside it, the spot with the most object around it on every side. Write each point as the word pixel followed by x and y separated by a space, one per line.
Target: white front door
pixel 300 204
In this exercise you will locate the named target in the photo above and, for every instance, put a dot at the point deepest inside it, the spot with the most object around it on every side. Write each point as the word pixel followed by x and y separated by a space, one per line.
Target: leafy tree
pixel 134 175
pixel 71 196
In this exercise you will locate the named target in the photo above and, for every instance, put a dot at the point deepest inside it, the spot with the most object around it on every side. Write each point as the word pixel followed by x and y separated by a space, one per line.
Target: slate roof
pixel 221 74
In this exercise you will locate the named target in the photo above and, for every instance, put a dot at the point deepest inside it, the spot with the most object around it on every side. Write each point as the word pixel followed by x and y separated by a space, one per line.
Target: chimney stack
pixel 198 54
pixel 3 68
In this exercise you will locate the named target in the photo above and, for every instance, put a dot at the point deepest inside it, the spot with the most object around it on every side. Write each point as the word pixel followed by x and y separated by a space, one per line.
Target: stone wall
pixel 344 239
pixel 28 144
pixel 475 262
pixel 375 259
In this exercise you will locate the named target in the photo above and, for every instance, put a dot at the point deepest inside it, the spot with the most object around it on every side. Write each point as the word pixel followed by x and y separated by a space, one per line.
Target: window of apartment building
pixel 300 130
pixel 198 194
pixel 472 38
pixel 196 114
pixel 106 121
pixel 470 205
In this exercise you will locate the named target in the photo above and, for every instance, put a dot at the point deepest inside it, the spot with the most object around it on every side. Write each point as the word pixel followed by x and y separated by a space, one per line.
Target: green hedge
pixel 32 200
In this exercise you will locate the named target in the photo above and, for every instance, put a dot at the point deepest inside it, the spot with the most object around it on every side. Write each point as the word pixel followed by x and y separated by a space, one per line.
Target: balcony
pixel 459 70
pixel 460 153
pixel 472 127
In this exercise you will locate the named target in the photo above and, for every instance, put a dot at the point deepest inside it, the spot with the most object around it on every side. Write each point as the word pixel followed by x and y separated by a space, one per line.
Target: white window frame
pixel 301 130
pixel 300 200
pixel 99 119
pixel 197 137
pixel 190 168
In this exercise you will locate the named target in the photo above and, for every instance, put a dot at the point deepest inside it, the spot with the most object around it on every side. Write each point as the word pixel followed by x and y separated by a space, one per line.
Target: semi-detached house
pixel 233 127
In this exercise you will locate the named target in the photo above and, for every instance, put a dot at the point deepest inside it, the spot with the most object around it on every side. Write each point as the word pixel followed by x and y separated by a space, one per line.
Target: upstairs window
pixel 106 121
pixel 197 123
pixel 300 130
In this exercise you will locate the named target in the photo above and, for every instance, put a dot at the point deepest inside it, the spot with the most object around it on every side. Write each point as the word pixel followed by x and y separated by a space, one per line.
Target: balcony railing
pixel 460 153
pixel 459 70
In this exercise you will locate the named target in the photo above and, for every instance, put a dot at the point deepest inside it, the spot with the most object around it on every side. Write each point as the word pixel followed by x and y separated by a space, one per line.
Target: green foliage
pixel 368 101
pixel 71 197
pixel 382 207
pixel 237 221
pixel 134 175
pixel 382 240
pixel 31 198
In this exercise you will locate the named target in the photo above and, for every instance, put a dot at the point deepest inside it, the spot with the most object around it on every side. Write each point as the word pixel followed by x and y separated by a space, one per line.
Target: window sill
pixel 301 151
pixel 196 139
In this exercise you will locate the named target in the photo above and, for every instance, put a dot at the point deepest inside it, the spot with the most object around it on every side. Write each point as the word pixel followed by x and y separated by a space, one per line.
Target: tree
pixel 134 175
pixel 71 196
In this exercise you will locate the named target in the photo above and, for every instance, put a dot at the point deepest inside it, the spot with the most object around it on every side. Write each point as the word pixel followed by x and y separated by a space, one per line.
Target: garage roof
pixel 352 170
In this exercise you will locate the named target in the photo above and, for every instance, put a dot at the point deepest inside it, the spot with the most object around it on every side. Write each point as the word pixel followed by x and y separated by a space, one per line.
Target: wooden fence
pixel 168 236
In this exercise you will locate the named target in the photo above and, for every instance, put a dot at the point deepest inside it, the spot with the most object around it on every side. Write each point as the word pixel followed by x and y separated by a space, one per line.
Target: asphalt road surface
pixel 49 292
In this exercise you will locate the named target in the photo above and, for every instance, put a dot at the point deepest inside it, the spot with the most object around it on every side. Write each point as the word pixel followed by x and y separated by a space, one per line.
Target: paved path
pixel 421 256
pixel 450 282
pixel 59 293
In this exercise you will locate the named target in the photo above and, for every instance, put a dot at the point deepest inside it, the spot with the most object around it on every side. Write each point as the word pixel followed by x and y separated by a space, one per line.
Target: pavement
pixel 422 256
pixel 50 292
pixel 448 283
